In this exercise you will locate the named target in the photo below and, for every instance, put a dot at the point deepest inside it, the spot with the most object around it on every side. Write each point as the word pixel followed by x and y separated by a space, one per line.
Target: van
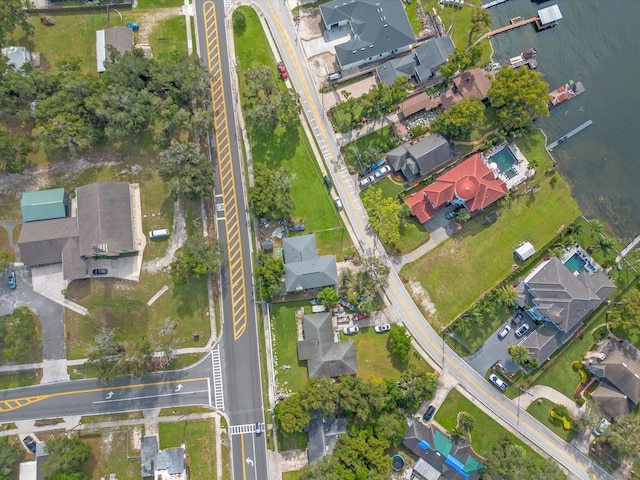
pixel 163 232
pixel 332 77
pixel 338 203
pixel 501 384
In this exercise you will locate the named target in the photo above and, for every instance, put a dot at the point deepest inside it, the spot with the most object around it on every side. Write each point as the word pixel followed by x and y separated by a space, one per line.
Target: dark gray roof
pixel 148 451
pixel 324 356
pixel 620 368
pixel 377 27
pixel 318 273
pixel 299 249
pixel 562 297
pixel 172 460
pixel 612 402
pixel 104 219
pixel 544 341
pixel 42 243
pixel 431 55
pixel 431 153
pixel 119 37
pixel 323 434
pixel 410 169
pixel 395 68
pixel 73 265
pixel 397 157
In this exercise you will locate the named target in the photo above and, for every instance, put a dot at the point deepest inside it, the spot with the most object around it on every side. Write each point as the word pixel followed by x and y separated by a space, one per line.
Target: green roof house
pixel 45 205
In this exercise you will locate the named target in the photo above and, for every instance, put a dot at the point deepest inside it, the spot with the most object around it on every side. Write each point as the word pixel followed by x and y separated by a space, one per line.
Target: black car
pixel 517 319
pixel 30 443
pixel 327 181
pixel 100 271
pixel 429 413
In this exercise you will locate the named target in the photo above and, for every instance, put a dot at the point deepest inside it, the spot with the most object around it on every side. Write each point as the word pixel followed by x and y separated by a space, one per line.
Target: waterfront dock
pixel 565 92
pixel 493 3
pixel 567 136
pixel 514 23
pixel 634 243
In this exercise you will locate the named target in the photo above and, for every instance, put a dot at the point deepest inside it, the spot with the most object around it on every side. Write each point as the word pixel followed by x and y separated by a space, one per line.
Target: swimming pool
pixel 504 159
pixel 575 263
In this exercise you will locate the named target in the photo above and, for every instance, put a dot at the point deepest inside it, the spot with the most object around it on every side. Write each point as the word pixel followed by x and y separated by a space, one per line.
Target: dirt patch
pixel 149 20
pixel 136 437
pixel 177 239
pixel 310 25
pixel 422 297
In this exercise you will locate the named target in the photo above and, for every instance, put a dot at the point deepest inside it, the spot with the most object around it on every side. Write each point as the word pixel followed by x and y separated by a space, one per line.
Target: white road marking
pixel 149 396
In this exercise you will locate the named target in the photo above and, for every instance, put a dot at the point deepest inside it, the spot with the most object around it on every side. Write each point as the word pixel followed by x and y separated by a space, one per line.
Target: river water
pixel 595 42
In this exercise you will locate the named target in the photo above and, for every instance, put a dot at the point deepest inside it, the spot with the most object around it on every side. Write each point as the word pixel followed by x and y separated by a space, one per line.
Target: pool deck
pixel 521 167
pixel 590 266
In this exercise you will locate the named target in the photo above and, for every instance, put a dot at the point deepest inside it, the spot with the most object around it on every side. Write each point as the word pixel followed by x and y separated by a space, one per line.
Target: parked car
pixel 350 330
pixel 382 172
pixel 375 166
pixel 361 316
pixel 297 228
pixel 315 301
pixel 30 443
pixel 517 319
pixel 602 427
pixel 258 428
pixel 282 70
pixel 347 304
pixel 327 181
pixel 366 181
pixel 337 310
pixel 522 329
pixel 338 203
pixel 428 415
pixel 504 332
pixel 382 328
pixel 501 384
pixel 12 280
pixel 100 271
pixel 452 213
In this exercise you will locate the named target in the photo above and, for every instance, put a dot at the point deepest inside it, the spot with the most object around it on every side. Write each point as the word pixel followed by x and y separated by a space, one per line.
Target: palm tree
pixel 507 295
pixel 463 215
pixel 466 421
pixel 605 243
pixel 346 278
pixel 463 323
pixel 576 228
pixel 519 353
pixel 596 227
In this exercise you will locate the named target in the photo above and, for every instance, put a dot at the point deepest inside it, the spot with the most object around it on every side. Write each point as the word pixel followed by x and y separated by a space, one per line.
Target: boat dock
pixel 565 92
pixel 567 136
pixel 634 243
pixel 493 3
pixel 514 23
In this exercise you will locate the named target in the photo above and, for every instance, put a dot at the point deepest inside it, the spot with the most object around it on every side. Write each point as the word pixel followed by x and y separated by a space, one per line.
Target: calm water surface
pixel 597 42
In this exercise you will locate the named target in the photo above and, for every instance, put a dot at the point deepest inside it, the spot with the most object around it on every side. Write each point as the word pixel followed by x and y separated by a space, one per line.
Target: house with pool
pixel 559 295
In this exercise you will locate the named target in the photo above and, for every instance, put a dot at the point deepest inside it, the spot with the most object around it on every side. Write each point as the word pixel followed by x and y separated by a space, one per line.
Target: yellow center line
pixel 416 324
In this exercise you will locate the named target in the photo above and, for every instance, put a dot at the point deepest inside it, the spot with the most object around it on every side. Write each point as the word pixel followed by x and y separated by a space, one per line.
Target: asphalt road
pixel 504 410
pixel 191 386
pixel 240 357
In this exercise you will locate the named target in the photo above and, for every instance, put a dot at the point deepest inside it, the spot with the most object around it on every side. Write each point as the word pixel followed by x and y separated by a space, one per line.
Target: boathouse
pixel 548 17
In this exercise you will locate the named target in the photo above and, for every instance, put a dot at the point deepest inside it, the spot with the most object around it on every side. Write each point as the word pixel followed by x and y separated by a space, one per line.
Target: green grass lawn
pixel 4 245
pixel 295 475
pixel 486 433
pixel 109 451
pixel 199 438
pixel 20 378
pixel 383 139
pixel 168 36
pixel 479 256
pixel 33 352
pixel 284 330
pixel 540 411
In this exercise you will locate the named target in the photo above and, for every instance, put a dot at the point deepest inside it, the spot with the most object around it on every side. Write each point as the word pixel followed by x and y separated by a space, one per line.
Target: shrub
pixel 583 375
pixel 553 413
pixel 575 365
pixel 580 401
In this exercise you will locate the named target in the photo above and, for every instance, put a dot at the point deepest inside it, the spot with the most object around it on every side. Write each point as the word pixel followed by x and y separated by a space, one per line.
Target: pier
pixel 493 3
pixel 567 136
pixel 565 92
pixel 515 23
pixel 634 243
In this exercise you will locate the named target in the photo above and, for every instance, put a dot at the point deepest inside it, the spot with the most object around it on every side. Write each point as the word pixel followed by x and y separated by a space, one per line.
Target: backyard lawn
pixel 199 438
pixel 486 433
pixel 540 411
pixel 290 149
pixel 110 453
pixel 20 378
pixel 478 257
pixel 4 245
pixel 383 139
pixel 284 333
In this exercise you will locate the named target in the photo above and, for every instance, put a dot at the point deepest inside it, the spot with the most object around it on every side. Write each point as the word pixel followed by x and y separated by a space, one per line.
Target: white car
pixel 338 203
pixel 366 181
pixel 350 330
pixel 382 328
pixel 504 332
pixel 501 384
pixel 522 329
pixel 383 171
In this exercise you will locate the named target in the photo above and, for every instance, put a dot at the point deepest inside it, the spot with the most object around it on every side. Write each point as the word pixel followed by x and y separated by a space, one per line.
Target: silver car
pixel 504 332
pixel 350 330
pixel 366 181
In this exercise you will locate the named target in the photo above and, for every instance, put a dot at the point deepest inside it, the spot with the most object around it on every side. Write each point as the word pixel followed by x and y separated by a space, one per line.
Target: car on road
pixel 517 319
pixel 428 415
pixel 12 280
pixel 258 428
pixel 522 329
pixel 338 203
pixel 504 332
pixel 100 271
pixel 327 181
pixel 501 384
pixel 30 443
pixel 382 328
pixel 350 330
pixel 282 70
pixel 366 181
pixel 382 172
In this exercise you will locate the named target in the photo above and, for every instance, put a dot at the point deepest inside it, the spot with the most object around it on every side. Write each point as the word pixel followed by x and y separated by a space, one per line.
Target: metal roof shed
pixel 524 251
pixel 549 15
pixel 44 205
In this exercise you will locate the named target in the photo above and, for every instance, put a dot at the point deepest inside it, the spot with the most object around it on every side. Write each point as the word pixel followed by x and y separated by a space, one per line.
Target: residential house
pixel 303 268
pixel 439 457
pixel 472 83
pixel 102 228
pixel 376 29
pixel 470 184
pixel 323 434
pixel 167 464
pixel 421 158
pixel 17 56
pixel 561 299
pixel 120 38
pixel 325 356
pixel 421 65
pixel 618 369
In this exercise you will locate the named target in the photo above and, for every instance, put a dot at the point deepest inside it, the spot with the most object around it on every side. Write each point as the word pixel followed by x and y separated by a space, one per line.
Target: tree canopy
pixel 270 195
pixel 385 216
pixel 508 461
pixel 400 343
pixel 518 96
pixel 627 315
pixel 66 458
pixel 198 256
pixel 328 297
pixel 290 415
pixel 269 272
pixel 13 14
pixel 17 334
pixel 10 454
pixel 461 119
pixel 188 171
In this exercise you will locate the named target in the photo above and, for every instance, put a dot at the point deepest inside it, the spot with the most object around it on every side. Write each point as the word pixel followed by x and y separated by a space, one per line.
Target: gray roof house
pixel 103 228
pixel 376 29
pixel 561 299
pixel 324 356
pixel 421 158
pixel 120 38
pixel 421 65
pixel 303 269
pixel 167 464
pixel 323 434
pixel 619 372
pixel 17 56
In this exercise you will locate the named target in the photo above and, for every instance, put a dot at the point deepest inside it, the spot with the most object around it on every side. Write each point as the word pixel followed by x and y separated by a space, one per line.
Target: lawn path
pixel 542 391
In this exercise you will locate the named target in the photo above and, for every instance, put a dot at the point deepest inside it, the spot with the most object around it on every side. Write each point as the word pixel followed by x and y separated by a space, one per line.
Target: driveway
pixel 51 314
pixel 496 350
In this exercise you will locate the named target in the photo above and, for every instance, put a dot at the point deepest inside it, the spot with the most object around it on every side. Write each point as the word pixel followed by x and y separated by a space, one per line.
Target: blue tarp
pixel 424 445
pixel 456 464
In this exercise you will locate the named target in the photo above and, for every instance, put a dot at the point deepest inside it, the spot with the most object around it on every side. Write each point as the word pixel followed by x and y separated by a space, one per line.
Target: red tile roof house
pixel 471 184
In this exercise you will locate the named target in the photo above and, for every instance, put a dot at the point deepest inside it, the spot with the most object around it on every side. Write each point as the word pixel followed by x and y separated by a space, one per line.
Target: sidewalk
pixel 369 127
pixel 542 391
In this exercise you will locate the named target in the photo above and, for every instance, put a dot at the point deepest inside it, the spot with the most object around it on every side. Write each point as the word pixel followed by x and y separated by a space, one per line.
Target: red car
pixel 282 70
